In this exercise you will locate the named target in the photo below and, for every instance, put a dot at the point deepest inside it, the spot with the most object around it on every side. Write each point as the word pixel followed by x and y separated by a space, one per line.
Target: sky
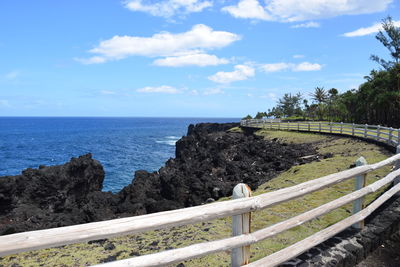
pixel 181 58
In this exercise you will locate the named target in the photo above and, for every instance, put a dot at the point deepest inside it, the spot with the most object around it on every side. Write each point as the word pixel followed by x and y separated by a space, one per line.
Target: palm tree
pixel 320 96
pixel 333 93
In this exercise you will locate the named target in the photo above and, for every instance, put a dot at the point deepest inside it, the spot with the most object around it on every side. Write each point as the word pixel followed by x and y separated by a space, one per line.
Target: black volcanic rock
pixel 209 162
pixel 49 196
pixel 206 128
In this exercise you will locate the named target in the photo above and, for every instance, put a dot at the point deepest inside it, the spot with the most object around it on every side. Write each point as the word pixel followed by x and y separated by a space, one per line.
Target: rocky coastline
pixel 208 163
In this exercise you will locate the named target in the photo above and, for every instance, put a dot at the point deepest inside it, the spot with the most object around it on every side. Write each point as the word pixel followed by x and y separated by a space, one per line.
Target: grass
pixel 345 152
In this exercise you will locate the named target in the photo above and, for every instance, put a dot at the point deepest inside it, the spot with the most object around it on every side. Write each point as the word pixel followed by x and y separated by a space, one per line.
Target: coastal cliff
pixel 209 162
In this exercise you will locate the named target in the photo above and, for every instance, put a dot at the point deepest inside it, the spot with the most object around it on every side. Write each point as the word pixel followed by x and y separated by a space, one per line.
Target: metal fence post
pixel 241 225
pixel 360 182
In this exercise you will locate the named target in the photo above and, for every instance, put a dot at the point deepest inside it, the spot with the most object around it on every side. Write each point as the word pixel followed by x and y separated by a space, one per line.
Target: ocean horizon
pixel 123 145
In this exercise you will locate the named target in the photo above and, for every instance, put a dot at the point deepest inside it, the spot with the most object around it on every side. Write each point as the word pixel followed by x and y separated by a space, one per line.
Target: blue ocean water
pixel 122 145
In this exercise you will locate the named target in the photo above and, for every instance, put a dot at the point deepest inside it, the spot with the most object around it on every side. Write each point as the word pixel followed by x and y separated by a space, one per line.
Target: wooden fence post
pixel 308 126
pixel 390 135
pixel 341 127
pixel 398 137
pixel 241 225
pixel 359 182
pixel 319 127
pixel 378 132
pixel 352 129
pixel 396 167
pixel 330 127
pixel 365 130
pixel 298 126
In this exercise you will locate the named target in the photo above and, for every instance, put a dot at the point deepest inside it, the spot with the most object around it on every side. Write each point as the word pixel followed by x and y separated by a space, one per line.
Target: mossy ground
pixel 345 152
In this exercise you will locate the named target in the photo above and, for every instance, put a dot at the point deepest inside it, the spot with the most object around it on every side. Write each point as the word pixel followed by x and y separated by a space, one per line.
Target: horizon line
pixel 166 117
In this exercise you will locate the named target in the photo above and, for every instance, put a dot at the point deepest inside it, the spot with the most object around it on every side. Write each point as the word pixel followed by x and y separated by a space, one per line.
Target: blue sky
pixel 180 58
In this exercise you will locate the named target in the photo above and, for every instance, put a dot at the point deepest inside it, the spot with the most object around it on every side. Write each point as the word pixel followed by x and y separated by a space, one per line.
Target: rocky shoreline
pixel 209 162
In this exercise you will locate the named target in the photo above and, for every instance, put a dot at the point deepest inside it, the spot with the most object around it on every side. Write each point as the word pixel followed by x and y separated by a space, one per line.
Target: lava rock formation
pixel 209 162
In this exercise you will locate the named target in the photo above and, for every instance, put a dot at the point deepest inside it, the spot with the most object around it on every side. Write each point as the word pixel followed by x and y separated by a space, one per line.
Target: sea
pixel 122 145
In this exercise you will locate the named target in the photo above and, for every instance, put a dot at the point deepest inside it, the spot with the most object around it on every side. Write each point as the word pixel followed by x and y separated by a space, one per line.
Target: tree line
pixel 376 101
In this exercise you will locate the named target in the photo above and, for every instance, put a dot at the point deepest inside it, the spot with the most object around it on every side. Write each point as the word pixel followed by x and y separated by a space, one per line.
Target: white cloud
pixel 168 8
pixel 164 44
pixel 241 72
pixel 191 60
pixel 275 67
pixel 310 24
pixel 301 10
pixel 214 91
pixel 307 66
pixel 281 66
pixel 165 89
pixel 298 56
pixel 248 9
pixel 92 60
pixel 368 30
pixel 12 75
pixel 298 10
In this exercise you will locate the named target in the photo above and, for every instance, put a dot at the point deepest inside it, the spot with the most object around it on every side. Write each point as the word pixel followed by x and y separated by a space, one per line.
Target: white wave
pixel 172 137
pixel 167 142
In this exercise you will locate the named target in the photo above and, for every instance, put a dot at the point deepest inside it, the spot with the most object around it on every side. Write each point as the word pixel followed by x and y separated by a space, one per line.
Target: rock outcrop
pixel 209 162
pixel 49 196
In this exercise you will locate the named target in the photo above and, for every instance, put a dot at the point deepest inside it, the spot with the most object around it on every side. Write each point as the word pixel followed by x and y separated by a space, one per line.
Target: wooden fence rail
pixel 239 208
pixel 379 133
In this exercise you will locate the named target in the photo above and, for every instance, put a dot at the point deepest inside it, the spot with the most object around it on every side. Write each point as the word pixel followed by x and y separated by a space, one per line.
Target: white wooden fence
pixel 240 208
pixel 379 133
